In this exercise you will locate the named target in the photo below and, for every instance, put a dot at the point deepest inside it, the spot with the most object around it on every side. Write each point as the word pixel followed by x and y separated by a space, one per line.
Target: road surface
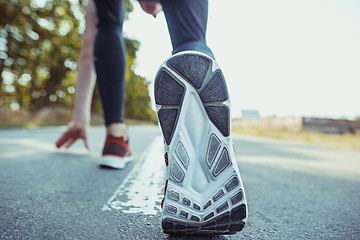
pixel 294 191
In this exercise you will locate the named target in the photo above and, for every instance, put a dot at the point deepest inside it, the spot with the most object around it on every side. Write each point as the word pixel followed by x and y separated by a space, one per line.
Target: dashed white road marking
pixel 141 191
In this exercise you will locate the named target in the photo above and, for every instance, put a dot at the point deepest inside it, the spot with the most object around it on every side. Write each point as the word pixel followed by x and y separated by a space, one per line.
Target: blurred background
pixel 292 67
pixel 39 47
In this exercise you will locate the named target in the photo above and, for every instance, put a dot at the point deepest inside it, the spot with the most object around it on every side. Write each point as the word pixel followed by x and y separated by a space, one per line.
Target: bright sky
pixel 281 57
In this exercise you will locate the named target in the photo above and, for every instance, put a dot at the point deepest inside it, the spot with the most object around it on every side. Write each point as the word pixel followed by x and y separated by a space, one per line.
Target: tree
pixel 39 47
pixel 136 89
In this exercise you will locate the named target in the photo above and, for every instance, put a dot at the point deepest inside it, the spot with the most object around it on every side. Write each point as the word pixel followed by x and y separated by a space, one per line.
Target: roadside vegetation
pixel 39 47
pixel 53 117
pixel 290 129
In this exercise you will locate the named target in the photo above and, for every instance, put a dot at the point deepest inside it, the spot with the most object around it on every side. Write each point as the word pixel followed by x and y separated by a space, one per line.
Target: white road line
pixel 141 191
pixel 30 146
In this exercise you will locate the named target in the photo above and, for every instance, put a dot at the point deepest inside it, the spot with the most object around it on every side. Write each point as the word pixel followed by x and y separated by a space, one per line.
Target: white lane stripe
pixel 141 191
pixel 30 146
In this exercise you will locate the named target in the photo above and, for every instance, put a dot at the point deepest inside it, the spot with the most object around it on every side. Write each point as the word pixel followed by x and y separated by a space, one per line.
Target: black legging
pixel 187 22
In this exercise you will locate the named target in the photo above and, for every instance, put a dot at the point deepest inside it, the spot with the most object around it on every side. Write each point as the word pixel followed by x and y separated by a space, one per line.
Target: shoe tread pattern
pixel 227 218
pixel 194 69
pixel 223 212
pixel 169 93
pixel 228 222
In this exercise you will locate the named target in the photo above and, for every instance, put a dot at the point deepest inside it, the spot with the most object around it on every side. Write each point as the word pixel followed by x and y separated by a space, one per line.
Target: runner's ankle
pixel 117 130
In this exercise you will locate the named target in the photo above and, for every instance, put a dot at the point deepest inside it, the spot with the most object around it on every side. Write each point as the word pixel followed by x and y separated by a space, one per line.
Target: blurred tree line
pixel 39 47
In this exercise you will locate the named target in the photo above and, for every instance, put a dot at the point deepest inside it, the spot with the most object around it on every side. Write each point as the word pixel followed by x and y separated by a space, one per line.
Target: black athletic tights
pixel 187 21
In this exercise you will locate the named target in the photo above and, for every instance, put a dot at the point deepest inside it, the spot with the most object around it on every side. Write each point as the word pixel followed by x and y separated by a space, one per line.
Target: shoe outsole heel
pixel 205 194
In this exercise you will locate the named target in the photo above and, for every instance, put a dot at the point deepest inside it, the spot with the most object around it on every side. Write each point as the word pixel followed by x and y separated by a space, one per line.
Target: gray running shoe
pixel 204 193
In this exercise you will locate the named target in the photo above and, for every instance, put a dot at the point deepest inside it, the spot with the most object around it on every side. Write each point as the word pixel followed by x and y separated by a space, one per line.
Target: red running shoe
pixel 116 152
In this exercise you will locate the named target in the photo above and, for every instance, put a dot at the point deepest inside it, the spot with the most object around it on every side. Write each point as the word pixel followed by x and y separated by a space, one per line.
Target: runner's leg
pixel 110 59
pixel 187 22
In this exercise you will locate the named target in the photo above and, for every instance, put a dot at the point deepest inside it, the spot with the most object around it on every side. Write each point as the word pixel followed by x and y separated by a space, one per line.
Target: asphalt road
pixel 294 191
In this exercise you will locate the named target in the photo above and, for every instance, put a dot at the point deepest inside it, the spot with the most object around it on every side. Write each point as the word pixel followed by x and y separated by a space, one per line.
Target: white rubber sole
pixel 205 194
pixel 115 162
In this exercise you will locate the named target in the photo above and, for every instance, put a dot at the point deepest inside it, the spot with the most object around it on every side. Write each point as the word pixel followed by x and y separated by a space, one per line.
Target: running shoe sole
pixel 204 193
pixel 114 161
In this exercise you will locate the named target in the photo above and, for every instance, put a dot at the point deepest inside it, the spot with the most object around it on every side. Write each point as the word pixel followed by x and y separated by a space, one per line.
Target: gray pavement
pixel 294 191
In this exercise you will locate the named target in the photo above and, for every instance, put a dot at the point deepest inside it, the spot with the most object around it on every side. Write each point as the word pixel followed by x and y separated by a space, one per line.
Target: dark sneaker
pixel 204 193
pixel 116 152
